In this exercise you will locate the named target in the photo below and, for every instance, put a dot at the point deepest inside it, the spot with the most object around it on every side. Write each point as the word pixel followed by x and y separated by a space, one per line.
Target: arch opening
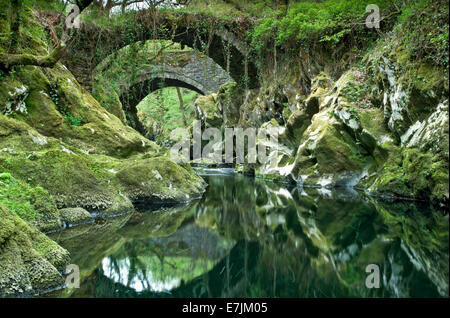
pixel 131 75
pixel 165 109
pixel 140 92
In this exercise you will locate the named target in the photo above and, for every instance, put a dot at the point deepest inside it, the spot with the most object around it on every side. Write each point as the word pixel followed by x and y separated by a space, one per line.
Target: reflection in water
pixel 251 238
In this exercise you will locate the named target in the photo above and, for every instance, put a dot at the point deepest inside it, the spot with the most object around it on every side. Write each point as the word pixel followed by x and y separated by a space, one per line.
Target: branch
pixel 9 60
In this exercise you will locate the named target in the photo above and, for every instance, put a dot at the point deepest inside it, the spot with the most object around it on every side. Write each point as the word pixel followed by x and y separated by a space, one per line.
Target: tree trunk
pixel 180 97
pixel 15 24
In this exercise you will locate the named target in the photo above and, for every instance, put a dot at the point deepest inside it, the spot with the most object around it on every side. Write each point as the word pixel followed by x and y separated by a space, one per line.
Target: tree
pixel 105 6
pixel 180 97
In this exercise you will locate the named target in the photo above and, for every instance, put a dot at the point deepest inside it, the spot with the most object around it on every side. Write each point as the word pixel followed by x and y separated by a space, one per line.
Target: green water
pixel 251 238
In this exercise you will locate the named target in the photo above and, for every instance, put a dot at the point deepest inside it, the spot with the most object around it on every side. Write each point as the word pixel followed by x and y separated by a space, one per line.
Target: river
pixel 253 238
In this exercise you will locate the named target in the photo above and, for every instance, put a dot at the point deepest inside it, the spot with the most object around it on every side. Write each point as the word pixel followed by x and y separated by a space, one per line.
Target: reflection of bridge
pixel 225 275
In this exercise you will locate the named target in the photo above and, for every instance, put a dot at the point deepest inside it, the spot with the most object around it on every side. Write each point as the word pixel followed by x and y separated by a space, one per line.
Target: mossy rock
pixel 159 180
pixel 109 99
pixel 29 261
pixel 208 111
pixel 413 174
pixel 33 204
pixel 333 149
pixel 57 106
pixel 75 216
pixel 64 174
pixel 76 179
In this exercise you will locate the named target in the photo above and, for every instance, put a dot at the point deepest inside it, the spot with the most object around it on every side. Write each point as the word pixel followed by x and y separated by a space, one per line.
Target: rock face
pixel 381 126
pixel 159 180
pixel 29 261
pixel 57 106
pixel 93 182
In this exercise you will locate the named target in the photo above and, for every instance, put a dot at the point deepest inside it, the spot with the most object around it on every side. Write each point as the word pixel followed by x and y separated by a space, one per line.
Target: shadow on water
pixel 251 238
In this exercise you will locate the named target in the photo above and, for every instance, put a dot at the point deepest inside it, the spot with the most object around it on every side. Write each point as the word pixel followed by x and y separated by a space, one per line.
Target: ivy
pixel 73 120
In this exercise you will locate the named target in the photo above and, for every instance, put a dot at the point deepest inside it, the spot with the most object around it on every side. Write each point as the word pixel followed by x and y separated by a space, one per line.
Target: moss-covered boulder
pixel 75 216
pixel 413 174
pixel 159 180
pixel 29 261
pixel 335 149
pixel 63 173
pixel 329 155
pixel 94 182
pixel 207 110
pixel 109 99
pixel 57 106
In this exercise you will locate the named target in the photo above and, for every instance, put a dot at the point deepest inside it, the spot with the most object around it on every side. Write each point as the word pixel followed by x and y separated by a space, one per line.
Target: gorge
pixel 358 174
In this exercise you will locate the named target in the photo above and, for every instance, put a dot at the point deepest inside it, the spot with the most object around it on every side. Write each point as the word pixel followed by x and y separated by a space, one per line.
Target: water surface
pixel 252 238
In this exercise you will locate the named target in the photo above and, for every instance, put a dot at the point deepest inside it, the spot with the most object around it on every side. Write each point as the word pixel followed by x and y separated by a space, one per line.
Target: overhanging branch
pixel 9 60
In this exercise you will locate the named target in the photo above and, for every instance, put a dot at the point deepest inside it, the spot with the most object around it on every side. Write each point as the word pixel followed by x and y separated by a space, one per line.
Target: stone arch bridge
pixel 179 68
pixel 200 32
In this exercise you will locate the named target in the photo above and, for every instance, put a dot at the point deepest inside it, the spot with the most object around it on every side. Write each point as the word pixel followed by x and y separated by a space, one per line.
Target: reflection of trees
pixel 318 245
pixel 290 243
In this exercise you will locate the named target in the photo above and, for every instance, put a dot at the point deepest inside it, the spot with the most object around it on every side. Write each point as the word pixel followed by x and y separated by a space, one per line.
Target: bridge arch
pixel 150 71
pixel 224 47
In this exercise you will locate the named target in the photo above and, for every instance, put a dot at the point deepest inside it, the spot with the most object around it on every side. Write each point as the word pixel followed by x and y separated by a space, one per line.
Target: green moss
pixel 337 152
pixel 75 216
pixel 411 173
pixel 109 99
pixel 208 110
pixel 32 204
pixel 373 121
pixel 29 261
pixel 82 122
pixel 5 176
pixel 159 179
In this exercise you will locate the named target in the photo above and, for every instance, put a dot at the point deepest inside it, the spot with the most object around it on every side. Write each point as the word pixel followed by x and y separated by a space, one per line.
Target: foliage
pixel 74 120
pixel 310 21
pixel 423 28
